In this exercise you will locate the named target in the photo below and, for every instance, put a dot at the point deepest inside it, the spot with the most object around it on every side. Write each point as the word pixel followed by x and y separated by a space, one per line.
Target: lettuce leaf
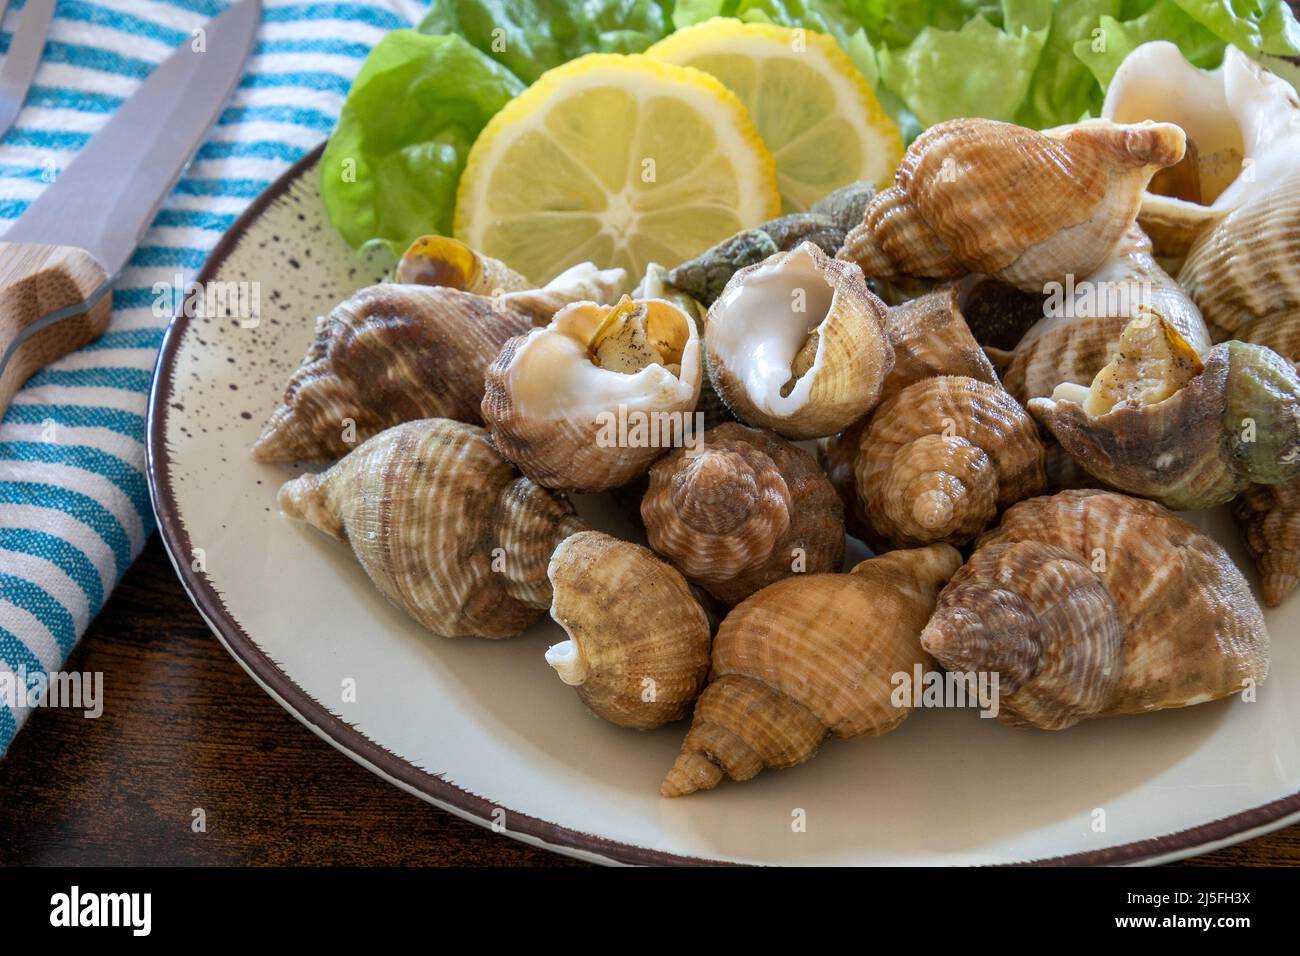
pixel 391 168
pixel 1165 20
pixel 530 37
pixel 1063 89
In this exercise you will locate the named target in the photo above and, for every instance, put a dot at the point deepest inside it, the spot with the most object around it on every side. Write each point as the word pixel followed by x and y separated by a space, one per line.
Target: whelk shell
pixel 638 642
pixel 589 401
pixel 442 524
pixel 1157 424
pixel 1242 125
pixel 443 261
pixel 744 511
pixel 974 195
pixel 798 344
pixel 941 458
pixel 807 657
pixel 1192 629
pixel 396 353
pixel 1269 515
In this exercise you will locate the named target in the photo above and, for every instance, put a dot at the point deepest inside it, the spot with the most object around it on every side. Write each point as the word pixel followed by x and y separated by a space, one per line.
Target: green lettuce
pixel 391 168
pixel 530 37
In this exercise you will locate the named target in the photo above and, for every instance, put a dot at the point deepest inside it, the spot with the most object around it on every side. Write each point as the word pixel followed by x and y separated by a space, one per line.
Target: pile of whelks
pixel 1052 445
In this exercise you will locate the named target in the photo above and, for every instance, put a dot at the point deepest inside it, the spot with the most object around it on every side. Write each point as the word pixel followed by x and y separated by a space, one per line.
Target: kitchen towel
pixel 74 502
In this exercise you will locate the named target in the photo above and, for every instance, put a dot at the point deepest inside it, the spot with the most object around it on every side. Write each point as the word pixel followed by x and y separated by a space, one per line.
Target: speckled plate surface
pixel 485 730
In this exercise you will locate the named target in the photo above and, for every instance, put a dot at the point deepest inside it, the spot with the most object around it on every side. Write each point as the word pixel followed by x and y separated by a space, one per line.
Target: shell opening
pixel 568 662
pixel 628 340
pixel 439 261
pixel 776 348
pixel 1152 363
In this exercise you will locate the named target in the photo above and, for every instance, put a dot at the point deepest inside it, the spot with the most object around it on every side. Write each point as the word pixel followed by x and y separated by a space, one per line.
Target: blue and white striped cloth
pixel 74 507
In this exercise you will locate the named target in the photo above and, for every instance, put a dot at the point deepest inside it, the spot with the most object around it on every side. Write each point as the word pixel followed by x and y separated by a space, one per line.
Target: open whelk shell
pixel 589 401
pixel 1269 516
pixel 1243 129
pixel 1192 630
pixel 396 353
pixel 443 261
pixel 1082 321
pixel 798 344
pixel 1042 620
pixel 442 524
pixel 638 642
pixel 1156 423
pixel 807 657
pixel 941 458
pixel 825 225
pixel 974 195
pixel 745 510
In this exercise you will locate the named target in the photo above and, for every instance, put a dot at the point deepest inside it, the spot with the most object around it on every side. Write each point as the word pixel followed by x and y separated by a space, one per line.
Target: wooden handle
pixel 36 280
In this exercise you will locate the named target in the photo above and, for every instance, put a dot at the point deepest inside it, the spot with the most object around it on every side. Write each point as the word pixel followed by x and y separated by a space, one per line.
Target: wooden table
pixel 184 728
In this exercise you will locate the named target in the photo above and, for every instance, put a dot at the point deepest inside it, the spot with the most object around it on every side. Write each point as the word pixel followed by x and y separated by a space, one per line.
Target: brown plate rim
pixel 433 787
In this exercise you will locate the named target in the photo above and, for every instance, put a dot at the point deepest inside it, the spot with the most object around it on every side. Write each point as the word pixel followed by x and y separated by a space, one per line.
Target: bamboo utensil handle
pixel 36 281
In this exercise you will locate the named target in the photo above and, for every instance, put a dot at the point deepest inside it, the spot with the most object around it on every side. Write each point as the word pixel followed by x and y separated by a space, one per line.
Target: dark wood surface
pixel 184 728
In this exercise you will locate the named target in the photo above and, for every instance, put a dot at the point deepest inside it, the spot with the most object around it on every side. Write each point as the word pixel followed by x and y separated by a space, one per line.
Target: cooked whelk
pixel 1243 129
pixel 442 524
pixel 1082 321
pixel 587 403
pixel 443 261
pixel 638 642
pixel 941 458
pixel 798 344
pixel 974 195
pixel 396 353
pixel 807 657
pixel 1041 619
pixel 1269 515
pixel 1192 629
pixel 1157 424
pixel 744 511
pixel 825 225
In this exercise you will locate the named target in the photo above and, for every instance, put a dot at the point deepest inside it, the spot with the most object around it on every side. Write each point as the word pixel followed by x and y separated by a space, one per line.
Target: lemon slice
pixel 617 160
pixel 812 107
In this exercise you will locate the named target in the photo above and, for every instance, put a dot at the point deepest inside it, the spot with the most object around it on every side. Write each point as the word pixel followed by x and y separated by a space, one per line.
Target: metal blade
pixel 24 55
pixel 104 199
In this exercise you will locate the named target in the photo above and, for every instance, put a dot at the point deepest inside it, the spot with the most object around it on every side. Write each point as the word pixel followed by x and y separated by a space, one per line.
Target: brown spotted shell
pixel 943 457
pixel 1040 619
pixel 443 525
pixel 1269 516
pixel 743 511
pixel 807 657
pixel 395 353
pixel 638 642
pixel 1192 630
pixel 975 195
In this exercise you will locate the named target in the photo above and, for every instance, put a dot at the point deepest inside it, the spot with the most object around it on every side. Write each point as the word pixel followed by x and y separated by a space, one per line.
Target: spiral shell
pixel 443 261
pixel 587 403
pixel 1269 515
pixel 1192 629
pixel 1082 322
pixel 930 337
pixel 442 524
pixel 825 225
pixel 797 344
pixel 746 510
pixel 1039 618
pixel 396 353
pixel 806 657
pixel 1242 125
pixel 942 457
pixel 974 195
pixel 638 642
pixel 1156 424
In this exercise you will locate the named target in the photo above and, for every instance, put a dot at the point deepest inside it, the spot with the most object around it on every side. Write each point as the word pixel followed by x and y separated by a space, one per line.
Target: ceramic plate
pixel 484 729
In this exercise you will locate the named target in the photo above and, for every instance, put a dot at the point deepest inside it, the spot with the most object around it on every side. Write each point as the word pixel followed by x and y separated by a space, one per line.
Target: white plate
pixel 484 728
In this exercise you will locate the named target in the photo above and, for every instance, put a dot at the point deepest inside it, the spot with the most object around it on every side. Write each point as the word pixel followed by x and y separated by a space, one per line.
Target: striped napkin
pixel 74 506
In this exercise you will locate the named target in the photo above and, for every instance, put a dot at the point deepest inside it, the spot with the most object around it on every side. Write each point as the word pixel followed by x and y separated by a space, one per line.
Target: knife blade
pixel 25 48
pixel 106 197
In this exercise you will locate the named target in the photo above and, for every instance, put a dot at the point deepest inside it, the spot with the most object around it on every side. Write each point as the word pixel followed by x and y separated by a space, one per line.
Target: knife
pixel 24 55
pixel 58 261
